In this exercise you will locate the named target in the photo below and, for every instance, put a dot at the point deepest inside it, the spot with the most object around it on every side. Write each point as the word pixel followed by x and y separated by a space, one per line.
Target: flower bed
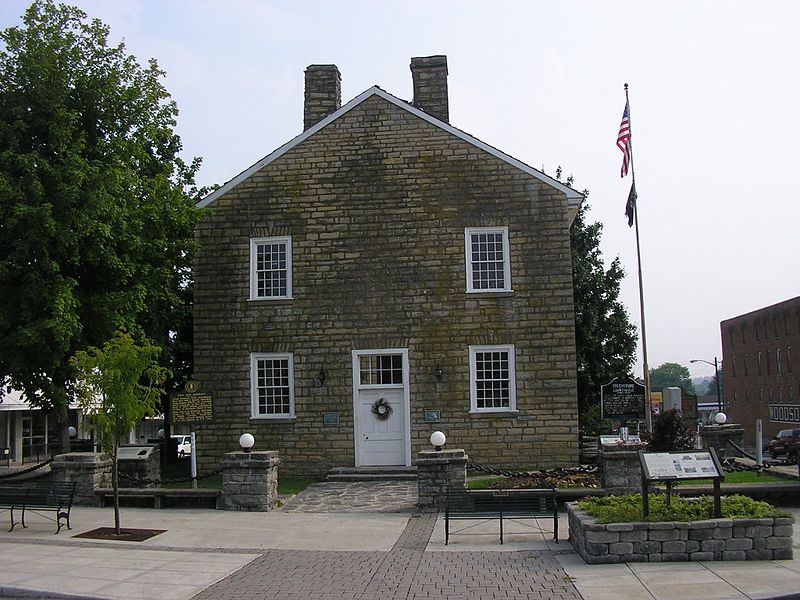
pixel 768 538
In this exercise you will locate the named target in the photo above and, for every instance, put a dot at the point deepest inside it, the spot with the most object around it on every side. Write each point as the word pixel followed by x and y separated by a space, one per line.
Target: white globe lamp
pixel 246 441
pixel 720 418
pixel 437 440
pixel 72 431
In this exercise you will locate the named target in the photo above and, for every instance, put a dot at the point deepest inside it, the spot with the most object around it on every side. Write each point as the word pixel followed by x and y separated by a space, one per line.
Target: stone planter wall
pixel 720 436
pixel 89 470
pixel 714 539
pixel 621 469
pixel 141 473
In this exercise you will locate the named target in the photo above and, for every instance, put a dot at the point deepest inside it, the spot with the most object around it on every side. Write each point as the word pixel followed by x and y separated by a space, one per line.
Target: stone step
pixel 372 474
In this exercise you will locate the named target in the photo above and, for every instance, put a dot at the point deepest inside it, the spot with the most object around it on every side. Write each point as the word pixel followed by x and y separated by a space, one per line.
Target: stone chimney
pixel 429 74
pixel 323 93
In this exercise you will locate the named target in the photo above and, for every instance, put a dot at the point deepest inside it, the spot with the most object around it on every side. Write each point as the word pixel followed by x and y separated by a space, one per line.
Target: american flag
pixel 624 140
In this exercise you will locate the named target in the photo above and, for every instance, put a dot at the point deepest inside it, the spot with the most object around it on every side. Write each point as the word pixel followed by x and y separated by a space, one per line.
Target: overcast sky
pixel 714 95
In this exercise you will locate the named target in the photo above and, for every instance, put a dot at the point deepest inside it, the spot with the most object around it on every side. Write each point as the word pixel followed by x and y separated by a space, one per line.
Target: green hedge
pixel 626 509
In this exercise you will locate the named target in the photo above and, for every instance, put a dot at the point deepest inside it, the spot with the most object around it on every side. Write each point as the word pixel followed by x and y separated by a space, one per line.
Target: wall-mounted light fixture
pixel 322 376
pixel 437 371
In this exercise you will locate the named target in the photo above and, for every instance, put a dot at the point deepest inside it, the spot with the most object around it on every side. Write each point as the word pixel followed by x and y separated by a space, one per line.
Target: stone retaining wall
pixel 88 470
pixel 714 539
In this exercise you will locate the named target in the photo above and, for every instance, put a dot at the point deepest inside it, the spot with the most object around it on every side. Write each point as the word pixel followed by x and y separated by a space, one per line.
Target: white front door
pixel 381 408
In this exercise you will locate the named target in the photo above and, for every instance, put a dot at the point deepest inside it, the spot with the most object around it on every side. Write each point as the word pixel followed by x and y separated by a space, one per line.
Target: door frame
pixel 356 370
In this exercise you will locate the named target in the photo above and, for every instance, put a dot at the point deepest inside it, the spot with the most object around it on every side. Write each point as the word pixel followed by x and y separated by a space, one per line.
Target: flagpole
pixel 647 412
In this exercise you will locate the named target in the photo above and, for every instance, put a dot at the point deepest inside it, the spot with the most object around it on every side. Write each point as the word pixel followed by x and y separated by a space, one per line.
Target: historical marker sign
pixel 622 398
pixel 191 406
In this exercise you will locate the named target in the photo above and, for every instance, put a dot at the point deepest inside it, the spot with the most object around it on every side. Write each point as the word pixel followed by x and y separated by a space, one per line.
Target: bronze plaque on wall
pixel 191 406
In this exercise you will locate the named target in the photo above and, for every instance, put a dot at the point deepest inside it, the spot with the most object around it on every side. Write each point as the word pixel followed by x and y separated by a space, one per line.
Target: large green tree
pixel 96 214
pixel 671 375
pixel 605 339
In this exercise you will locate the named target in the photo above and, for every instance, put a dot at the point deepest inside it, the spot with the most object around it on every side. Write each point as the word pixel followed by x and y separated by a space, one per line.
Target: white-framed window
pixel 271 268
pixel 492 379
pixel 488 264
pixel 272 385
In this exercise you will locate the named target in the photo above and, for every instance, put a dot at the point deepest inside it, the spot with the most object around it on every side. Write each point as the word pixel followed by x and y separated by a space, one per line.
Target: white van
pixel 184 444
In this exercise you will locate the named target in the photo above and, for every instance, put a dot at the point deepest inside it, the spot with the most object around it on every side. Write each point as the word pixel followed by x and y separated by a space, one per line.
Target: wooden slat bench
pixel 500 504
pixel 157 495
pixel 39 498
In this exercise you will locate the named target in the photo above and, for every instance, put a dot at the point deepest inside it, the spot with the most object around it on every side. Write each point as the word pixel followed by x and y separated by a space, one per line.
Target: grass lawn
pixel 482 483
pixel 739 477
pixel 287 484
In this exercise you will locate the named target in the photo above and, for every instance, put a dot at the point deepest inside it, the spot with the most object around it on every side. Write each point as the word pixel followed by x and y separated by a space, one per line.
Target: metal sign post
pixel 759 446
pixel 193 462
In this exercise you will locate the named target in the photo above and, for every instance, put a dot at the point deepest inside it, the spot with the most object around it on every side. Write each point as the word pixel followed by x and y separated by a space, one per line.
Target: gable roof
pixel 574 197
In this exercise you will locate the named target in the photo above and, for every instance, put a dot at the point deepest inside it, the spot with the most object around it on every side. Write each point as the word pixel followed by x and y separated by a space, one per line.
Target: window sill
pixel 283 299
pixel 493 413
pixel 490 294
pixel 278 420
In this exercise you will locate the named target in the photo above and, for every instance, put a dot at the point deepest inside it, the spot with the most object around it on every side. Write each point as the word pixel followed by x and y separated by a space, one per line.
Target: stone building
pixel 381 276
pixel 760 372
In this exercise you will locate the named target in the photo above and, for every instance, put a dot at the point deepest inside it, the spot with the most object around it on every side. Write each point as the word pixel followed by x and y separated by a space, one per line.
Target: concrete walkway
pixel 367 555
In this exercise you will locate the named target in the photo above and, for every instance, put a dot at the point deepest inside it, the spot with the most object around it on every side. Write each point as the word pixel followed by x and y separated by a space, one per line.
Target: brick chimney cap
pixel 437 60
pixel 323 68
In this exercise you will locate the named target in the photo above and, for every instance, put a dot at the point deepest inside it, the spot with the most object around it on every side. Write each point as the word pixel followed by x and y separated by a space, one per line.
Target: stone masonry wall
pixel 438 472
pixel 90 471
pixel 376 204
pixel 714 539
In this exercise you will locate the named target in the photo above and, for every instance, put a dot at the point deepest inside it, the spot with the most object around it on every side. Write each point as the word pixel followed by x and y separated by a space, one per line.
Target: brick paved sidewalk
pixel 406 572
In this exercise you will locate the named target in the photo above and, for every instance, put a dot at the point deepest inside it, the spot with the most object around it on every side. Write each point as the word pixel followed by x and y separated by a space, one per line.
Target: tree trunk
pixel 60 399
pixel 115 485
pixel 62 420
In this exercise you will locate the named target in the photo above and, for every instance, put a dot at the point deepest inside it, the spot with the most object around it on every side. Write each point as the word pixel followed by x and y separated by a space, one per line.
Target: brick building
pixel 381 276
pixel 760 371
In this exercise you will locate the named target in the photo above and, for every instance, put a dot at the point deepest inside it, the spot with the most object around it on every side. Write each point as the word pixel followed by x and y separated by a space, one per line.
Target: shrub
pixel 592 424
pixel 625 509
pixel 670 433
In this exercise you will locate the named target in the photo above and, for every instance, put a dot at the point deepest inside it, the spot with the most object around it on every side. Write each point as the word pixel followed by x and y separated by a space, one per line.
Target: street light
pixel 716 378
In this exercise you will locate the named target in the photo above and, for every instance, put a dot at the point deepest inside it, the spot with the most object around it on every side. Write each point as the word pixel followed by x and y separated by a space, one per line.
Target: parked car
pixel 184 444
pixel 786 443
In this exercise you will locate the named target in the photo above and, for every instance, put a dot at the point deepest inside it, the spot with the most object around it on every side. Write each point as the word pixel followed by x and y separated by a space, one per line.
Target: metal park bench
pixel 39 498
pixel 500 505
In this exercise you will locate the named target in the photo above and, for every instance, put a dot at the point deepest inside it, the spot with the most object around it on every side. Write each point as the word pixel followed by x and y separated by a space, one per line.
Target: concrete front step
pixel 372 474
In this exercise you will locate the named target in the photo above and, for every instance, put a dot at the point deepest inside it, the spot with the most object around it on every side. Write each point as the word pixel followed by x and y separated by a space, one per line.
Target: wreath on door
pixel 381 409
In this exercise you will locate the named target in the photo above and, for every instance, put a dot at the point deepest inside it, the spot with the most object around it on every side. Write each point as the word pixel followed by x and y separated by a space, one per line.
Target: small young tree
pixel 118 385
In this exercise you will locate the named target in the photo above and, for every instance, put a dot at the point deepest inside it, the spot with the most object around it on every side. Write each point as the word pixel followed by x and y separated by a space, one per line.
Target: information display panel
pixel 673 466
pixel 659 466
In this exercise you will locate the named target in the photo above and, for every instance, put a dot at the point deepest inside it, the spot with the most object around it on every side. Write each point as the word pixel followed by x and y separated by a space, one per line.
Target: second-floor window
pixel 271 268
pixel 488 268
